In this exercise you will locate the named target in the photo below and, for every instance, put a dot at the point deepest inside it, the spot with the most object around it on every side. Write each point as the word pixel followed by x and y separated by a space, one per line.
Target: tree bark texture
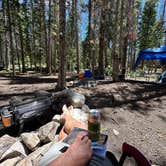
pixel 62 44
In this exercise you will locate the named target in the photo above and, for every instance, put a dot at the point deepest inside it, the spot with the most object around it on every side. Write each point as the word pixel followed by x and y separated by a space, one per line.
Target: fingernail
pixel 84 137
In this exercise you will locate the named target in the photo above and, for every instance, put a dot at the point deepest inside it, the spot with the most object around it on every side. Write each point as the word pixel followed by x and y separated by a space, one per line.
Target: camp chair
pixel 129 151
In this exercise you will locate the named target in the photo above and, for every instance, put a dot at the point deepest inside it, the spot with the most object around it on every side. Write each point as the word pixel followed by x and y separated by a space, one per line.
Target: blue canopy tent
pixel 152 54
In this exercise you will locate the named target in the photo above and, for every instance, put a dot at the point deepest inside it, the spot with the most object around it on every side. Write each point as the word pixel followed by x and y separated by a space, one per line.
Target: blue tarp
pixel 152 54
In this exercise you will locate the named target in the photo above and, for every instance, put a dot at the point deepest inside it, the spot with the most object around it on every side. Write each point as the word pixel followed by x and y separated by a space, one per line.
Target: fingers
pixel 87 142
pixel 64 108
pixel 70 108
pixel 65 112
pixel 85 139
pixel 82 137
pixel 62 134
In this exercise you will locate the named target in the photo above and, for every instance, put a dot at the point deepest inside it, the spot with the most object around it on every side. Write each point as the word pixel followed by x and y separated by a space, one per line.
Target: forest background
pixel 70 36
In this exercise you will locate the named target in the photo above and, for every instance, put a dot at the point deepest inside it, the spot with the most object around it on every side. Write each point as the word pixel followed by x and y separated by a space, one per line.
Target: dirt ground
pixel 136 110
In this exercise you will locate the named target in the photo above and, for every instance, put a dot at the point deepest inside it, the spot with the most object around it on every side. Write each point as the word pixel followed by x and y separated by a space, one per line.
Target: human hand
pixel 78 154
pixel 80 151
pixel 65 108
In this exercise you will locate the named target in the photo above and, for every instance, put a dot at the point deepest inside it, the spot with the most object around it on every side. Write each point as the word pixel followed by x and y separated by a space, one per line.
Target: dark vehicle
pixel 162 77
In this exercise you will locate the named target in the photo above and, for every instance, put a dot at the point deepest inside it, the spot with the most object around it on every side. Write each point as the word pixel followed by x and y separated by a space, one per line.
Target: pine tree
pixel 62 44
pixel 146 37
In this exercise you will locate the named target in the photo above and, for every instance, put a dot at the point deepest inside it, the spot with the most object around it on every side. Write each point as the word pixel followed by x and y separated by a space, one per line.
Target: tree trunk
pixel 62 44
pixel 102 40
pixel 106 55
pixel 101 47
pixel 49 41
pixel 21 42
pixel 126 37
pixel 33 46
pixel 7 44
pixel 77 40
pixel 22 48
pixel 45 34
pixel 93 34
pixel 15 21
pixel 1 57
pixel 27 37
pixel 39 58
pixel 131 31
pixel 124 55
pixel 7 52
pixel 55 45
pixel 114 43
pixel 89 35
pixel 121 31
pixel 164 13
pixel 10 36
pixel 17 53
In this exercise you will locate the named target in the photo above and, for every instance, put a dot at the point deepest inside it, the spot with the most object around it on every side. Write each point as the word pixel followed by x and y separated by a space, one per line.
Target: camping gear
pixel 151 54
pixel 129 151
pixel 17 114
pixel 42 106
pixel 162 77
pixel 88 73
pixel 6 117
pixel 81 75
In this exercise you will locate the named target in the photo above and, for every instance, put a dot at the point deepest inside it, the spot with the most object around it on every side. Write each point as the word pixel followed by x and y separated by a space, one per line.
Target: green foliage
pixel 158 33
pixel 151 30
pixel 30 31
pixel 108 70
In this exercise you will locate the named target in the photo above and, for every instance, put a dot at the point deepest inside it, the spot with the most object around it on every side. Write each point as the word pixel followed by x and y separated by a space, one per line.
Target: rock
pixel 115 132
pixel 76 99
pixel 67 97
pixel 31 140
pixel 34 158
pixel 10 148
pixel 70 83
pixel 86 82
pixel 17 149
pixel 121 109
pixel 5 143
pixel 85 108
pixel 25 162
pixel 48 131
pixel 70 97
pixel 55 139
pixel 15 100
pixel 56 118
pixel 39 93
pixel 11 162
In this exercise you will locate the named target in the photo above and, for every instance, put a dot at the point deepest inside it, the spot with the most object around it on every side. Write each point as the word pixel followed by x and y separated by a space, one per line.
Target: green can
pixel 94 121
